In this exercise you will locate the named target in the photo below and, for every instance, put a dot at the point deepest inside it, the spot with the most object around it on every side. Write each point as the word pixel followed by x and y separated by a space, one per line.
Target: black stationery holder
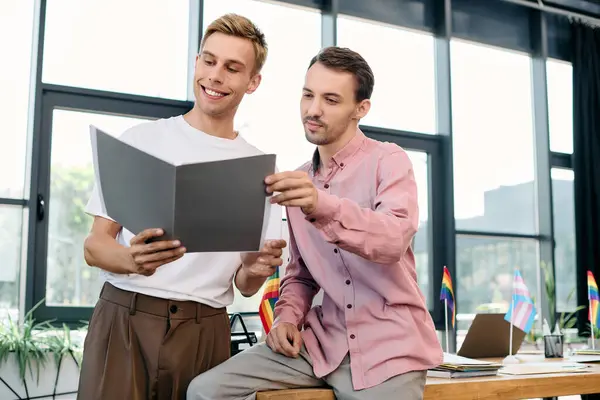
pixel 553 346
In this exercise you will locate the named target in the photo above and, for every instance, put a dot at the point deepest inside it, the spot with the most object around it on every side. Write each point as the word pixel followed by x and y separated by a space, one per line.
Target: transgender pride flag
pixel 522 310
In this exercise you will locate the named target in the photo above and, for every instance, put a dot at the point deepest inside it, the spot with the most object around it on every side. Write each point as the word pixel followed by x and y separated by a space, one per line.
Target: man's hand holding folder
pixel 147 257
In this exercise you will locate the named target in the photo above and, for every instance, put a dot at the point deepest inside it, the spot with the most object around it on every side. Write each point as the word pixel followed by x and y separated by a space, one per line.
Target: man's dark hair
pixel 344 59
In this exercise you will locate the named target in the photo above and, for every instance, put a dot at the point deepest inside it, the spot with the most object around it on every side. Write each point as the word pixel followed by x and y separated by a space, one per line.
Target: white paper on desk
pixel 458 360
pixel 543 368
pixel 582 358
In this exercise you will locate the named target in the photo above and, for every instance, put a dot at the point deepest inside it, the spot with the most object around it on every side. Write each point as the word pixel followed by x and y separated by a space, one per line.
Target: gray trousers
pixel 259 368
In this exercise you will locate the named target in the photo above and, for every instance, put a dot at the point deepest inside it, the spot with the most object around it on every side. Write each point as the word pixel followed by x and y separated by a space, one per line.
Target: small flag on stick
pixel 447 293
pixel 522 311
pixel 269 298
pixel 594 300
pixel 447 296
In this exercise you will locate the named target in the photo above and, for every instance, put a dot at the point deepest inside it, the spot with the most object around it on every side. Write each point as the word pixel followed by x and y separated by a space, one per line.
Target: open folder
pixel 209 206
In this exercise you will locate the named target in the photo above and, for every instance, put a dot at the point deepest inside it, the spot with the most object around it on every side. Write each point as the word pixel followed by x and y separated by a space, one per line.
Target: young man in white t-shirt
pixel 161 318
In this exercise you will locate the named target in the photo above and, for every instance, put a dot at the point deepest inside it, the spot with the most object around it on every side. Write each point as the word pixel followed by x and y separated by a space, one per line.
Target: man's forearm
pixel 103 251
pixel 246 284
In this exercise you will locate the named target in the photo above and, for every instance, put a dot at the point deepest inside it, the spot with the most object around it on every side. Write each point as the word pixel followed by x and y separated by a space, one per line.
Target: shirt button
pixel 312 220
pixel 326 186
pixel 341 164
pixel 347 281
pixel 335 250
pixel 352 336
pixel 173 309
pixel 349 306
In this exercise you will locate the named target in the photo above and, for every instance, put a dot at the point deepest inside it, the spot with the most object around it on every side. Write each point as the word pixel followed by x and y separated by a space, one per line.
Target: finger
pixel 271 252
pixel 144 235
pixel 288 184
pixel 273 262
pixel 286 346
pixel 304 202
pixel 296 342
pixel 159 256
pixel 142 271
pixel 152 266
pixel 302 193
pixel 284 175
pixel 156 247
pixel 272 341
pixel 269 260
pixel 276 244
pixel 276 343
pixel 269 342
pixel 264 272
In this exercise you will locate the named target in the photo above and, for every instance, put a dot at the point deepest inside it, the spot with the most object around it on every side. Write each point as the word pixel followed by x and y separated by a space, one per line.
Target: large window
pixel 404 93
pixel 270 117
pixel 560 105
pixel 494 187
pixel 134 46
pixel 16 31
pixel 16 38
pixel 70 282
pixel 564 236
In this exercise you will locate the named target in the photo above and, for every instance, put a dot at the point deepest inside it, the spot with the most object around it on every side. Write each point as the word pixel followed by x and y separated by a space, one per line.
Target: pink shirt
pixel 356 246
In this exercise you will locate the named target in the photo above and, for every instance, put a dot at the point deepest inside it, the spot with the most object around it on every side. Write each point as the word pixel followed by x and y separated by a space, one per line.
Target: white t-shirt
pixel 202 277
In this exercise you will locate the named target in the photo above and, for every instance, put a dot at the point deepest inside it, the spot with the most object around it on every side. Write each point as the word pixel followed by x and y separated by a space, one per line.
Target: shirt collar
pixel 343 155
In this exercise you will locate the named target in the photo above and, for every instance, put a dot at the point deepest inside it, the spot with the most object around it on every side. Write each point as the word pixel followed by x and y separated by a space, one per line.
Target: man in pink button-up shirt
pixel 352 213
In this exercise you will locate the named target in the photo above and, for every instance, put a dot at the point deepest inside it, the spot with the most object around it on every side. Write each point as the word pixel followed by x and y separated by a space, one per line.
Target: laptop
pixel 489 336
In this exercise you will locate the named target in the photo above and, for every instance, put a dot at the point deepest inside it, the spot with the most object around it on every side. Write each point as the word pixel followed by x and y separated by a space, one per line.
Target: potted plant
pixel 37 360
pixel 566 320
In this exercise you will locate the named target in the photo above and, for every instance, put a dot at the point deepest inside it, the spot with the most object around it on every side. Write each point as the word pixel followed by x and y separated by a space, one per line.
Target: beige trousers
pixel 259 368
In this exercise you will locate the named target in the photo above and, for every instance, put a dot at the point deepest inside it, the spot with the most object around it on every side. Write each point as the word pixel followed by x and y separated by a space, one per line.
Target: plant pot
pixel 52 380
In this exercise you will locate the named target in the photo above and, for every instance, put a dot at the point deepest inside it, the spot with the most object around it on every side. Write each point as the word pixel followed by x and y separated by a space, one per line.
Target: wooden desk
pixel 515 387
pixel 505 387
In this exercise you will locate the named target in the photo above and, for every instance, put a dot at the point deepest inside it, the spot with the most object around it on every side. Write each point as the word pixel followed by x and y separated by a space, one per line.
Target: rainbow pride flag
pixel 269 298
pixel 447 293
pixel 594 298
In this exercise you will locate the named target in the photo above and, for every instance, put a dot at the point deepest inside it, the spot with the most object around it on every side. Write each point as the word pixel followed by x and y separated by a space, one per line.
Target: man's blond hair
pixel 239 26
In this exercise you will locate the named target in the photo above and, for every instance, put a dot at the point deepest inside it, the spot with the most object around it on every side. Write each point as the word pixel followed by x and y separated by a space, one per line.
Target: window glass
pixel 16 33
pixel 70 281
pixel 485 269
pixel 560 105
pixel 494 188
pixel 422 241
pixel 134 46
pixel 565 267
pixel 404 93
pixel 10 253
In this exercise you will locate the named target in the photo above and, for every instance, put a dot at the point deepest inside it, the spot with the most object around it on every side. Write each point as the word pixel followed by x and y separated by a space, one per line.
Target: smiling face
pixel 329 108
pixel 224 73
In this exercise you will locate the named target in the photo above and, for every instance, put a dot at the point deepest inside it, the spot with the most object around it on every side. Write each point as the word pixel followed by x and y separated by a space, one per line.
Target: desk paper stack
pixel 586 356
pixel 543 368
pixel 587 352
pixel 455 366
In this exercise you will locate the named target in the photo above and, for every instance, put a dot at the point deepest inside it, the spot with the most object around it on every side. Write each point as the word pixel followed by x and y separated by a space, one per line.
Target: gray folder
pixel 209 206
